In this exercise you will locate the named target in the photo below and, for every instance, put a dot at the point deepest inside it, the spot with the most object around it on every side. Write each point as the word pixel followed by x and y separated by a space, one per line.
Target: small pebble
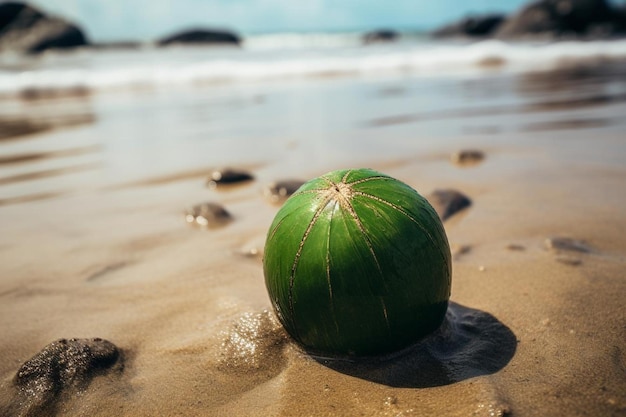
pixel 467 157
pixel 253 248
pixel 515 247
pixel 279 191
pixel 448 202
pixel 250 252
pixel 208 215
pixel 390 401
pixel 227 176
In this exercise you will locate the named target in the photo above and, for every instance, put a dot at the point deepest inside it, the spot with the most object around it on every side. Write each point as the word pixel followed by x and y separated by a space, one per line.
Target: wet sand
pixel 533 328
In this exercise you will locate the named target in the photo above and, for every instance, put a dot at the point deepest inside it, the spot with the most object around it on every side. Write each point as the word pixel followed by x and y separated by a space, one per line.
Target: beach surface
pixel 95 244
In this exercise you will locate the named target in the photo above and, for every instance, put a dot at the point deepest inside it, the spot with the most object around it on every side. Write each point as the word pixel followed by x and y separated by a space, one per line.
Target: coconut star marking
pixel 357 262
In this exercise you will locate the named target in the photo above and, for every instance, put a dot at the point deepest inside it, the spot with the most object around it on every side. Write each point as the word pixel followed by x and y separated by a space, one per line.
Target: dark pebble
pixel 515 247
pixel 448 202
pixel 279 191
pixel 228 176
pixel 467 157
pixel 207 215
pixel 66 362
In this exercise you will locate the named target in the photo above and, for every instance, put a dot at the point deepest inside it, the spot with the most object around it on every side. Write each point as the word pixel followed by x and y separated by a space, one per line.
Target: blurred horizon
pixel 148 19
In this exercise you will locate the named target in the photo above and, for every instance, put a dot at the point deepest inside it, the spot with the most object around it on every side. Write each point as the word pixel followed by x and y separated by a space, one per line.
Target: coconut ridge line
pixel 307 232
pixel 341 194
pixel 403 212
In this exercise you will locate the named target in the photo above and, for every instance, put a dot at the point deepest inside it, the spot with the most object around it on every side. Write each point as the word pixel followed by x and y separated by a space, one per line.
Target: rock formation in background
pixel 472 26
pixel 384 35
pixel 201 36
pixel 564 18
pixel 25 29
pixel 551 19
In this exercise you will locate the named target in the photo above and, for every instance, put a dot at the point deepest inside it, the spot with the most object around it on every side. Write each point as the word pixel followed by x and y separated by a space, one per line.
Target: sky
pixel 109 20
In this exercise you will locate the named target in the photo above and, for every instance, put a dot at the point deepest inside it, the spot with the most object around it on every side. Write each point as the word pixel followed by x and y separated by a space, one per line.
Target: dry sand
pixel 531 331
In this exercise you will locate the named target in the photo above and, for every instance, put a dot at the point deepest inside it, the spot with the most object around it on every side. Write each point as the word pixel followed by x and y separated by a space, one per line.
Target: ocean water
pixel 286 106
pixel 272 57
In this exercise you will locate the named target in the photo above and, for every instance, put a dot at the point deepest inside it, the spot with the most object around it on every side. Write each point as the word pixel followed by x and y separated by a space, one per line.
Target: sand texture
pixel 95 244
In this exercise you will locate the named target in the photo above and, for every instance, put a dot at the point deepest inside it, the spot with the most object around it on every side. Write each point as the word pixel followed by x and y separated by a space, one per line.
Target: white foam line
pixel 156 69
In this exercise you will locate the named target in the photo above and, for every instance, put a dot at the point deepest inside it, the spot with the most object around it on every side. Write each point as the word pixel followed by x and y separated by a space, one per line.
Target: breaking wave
pixel 272 57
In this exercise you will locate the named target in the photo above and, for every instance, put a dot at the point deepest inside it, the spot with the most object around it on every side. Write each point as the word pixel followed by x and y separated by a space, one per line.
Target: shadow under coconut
pixel 469 343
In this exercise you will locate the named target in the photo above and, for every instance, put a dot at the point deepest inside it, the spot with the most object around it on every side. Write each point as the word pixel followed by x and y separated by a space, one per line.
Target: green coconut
pixel 357 263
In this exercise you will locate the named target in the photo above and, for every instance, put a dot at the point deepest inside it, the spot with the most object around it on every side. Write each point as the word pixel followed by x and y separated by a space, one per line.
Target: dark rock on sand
pixel 448 202
pixel 66 362
pixel 279 191
pixel 467 157
pixel 25 29
pixel 472 26
pixel 384 35
pixel 58 369
pixel 208 215
pixel 564 18
pixel 227 176
pixel 201 36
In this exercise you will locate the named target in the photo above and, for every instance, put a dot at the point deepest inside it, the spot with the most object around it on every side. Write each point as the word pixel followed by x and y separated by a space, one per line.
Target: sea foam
pixel 280 58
